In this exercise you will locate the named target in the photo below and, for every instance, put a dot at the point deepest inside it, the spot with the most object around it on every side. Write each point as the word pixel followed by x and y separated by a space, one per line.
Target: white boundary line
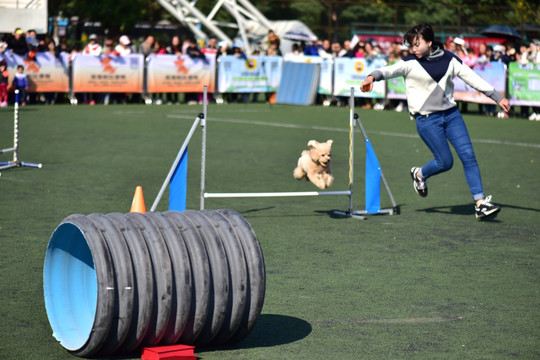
pixel 385 133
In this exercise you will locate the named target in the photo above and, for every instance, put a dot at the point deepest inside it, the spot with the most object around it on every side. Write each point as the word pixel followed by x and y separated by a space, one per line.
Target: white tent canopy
pixel 257 33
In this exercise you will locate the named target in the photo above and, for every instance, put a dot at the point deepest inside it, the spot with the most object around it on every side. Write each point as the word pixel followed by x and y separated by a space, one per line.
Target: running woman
pixel 428 74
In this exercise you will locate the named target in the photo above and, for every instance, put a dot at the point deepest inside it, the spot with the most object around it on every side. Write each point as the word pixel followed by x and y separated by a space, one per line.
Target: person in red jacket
pixel 4 73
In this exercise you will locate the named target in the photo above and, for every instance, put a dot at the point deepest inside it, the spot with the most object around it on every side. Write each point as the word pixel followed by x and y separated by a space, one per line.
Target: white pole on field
pixel 15 148
pixel 351 212
pixel 203 147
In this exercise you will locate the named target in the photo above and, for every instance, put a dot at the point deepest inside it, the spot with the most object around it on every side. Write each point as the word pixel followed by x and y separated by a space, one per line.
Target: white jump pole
pixel 15 148
pixel 203 147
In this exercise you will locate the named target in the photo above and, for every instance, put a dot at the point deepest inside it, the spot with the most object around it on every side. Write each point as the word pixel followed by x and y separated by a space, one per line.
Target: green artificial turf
pixel 429 283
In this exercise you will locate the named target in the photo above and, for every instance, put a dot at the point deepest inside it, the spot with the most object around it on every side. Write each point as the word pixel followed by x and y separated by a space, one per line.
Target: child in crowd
pixel 20 82
pixel 4 73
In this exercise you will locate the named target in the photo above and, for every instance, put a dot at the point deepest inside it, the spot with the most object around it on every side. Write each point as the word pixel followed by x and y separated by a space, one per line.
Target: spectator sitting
pixel 108 49
pixel 325 50
pixel 32 40
pixel 211 47
pixel 498 51
pixel 92 48
pixel 224 48
pixel 274 50
pixel 124 47
pixel 470 58
pixel 3 47
pixel 311 49
pixel 483 56
pixel 193 50
pixel 529 55
pixel 456 45
pixel 158 48
pixel 347 47
pixel 335 49
pixel 147 46
pixel 17 42
pixel 295 50
pixel 271 38
pixel 512 53
pixel 175 47
pixel 360 50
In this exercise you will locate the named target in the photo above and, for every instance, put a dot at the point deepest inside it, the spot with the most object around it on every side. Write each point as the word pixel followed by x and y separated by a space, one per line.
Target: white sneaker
pixel 486 209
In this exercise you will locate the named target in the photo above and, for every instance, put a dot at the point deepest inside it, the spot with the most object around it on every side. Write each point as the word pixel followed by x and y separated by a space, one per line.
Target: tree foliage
pixel 325 17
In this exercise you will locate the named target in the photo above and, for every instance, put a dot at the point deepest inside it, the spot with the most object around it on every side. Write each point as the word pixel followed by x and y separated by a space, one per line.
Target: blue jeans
pixel 439 128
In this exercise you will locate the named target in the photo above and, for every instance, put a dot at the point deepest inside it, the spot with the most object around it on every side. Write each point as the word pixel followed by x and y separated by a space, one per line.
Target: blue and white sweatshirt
pixel 20 81
pixel 428 81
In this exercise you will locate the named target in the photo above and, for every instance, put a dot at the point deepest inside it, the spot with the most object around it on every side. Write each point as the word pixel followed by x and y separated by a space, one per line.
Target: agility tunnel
pixel 118 282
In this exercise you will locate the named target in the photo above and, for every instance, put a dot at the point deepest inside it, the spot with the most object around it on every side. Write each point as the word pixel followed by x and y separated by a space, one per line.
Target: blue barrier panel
pixel 178 185
pixel 373 181
pixel 299 83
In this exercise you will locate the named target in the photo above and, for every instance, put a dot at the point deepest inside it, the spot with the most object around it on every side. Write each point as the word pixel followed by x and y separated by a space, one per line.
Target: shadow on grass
pixel 270 330
pixel 260 212
pixel 468 209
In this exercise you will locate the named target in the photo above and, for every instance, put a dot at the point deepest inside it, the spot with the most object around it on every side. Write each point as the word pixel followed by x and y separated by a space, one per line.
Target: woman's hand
pixel 505 104
pixel 367 85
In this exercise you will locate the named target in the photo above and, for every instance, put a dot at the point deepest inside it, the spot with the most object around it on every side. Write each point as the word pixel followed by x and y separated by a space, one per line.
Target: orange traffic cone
pixel 138 201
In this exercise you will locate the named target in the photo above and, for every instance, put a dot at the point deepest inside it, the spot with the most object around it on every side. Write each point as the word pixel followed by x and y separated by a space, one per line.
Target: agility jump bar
pixel 349 213
pixel 276 194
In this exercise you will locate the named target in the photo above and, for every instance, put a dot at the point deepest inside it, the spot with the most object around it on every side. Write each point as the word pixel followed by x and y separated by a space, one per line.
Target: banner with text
pixel 108 73
pixel 46 72
pixel 172 73
pixel 395 88
pixel 325 75
pixel 493 72
pixel 524 84
pixel 351 72
pixel 249 75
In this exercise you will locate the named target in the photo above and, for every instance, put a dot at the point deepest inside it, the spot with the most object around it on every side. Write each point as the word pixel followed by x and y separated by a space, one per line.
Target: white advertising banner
pixel 172 73
pixel 106 73
pixel 351 72
pixel 45 72
pixel 254 74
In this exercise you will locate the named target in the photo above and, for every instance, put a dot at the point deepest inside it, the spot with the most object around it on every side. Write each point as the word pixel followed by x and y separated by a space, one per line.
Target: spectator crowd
pixel 28 43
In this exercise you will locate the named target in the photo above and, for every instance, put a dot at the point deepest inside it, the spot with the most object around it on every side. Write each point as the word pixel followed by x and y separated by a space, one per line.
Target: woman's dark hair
pixel 425 31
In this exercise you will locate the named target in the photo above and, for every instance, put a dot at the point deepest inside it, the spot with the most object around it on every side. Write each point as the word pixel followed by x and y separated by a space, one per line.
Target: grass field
pixel 429 283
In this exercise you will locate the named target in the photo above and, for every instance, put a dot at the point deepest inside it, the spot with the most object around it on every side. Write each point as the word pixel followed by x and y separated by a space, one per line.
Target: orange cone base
pixel 138 201
pixel 172 352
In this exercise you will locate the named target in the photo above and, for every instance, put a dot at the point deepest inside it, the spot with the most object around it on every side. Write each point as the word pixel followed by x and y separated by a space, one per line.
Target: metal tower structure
pixel 242 11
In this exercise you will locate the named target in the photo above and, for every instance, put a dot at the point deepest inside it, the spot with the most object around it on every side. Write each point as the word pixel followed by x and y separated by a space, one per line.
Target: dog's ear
pixel 329 142
pixel 312 144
